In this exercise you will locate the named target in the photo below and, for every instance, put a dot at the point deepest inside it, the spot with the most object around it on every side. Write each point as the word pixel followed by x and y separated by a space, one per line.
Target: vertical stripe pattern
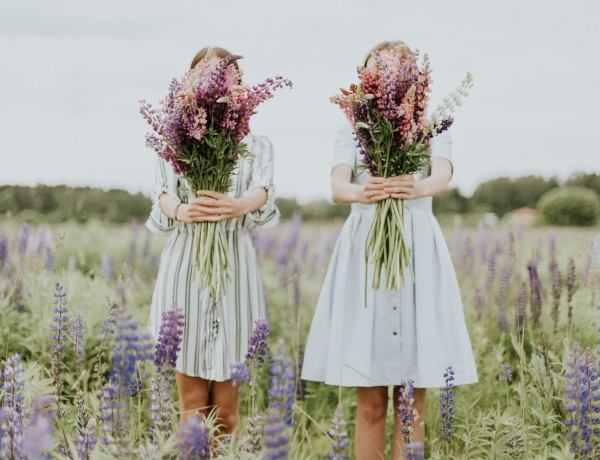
pixel 216 334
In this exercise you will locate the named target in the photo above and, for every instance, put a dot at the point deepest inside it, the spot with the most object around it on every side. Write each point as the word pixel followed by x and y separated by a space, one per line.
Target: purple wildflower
pixel 276 438
pixel 85 439
pixel 257 347
pixel 339 435
pixel 3 252
pixel 535 296
pixel 16 416
pixel 108 329
pixel 571 287
pixel 239 374
pixel 556 279
pixel 414 451
pixel 194 438
pixel 49 259
pixel 406 410
pixel 503 300
pixel 282 387
pixel 23 241
pixel 170 334
pixel 160 407
pixel 505 372
pixel 114 420
pixel 447 406
pixel 583 383
pixel 58 344
pixel 17 297
pixel 491 271
pixel 300 384
pixel 521 313
pixel 77 334
pixel 131 347
pixel 38 436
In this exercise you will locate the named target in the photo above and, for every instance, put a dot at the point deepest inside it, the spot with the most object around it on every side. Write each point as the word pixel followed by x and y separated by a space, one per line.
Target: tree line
pixel 61 203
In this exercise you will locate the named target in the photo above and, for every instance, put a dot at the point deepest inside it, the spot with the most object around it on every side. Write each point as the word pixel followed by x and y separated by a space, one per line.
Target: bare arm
pixel 212 206
pixel 344 191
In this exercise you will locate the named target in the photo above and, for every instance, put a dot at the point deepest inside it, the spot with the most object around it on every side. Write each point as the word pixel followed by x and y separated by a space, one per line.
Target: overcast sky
pixel 72 73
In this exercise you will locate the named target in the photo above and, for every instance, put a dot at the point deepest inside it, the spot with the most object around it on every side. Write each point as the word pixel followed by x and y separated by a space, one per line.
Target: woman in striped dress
pixel 216 333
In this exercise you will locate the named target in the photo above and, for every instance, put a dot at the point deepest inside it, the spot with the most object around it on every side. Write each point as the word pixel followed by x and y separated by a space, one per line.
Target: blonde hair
pixel 210 51
pixel 399 45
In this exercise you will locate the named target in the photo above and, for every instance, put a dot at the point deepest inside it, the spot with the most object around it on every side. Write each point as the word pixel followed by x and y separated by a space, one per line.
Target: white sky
pixel 72 72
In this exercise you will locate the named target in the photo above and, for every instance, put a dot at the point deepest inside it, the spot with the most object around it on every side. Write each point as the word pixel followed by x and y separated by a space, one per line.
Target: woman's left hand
pixel 218 206
pixel 401 187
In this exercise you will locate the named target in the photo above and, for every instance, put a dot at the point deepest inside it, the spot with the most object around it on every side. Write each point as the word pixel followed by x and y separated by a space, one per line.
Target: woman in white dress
pixel 413 333
pixel 216 333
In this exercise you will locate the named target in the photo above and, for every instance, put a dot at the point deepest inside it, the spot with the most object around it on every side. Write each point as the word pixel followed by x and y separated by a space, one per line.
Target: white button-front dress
pixel 413 333
pixel 216 334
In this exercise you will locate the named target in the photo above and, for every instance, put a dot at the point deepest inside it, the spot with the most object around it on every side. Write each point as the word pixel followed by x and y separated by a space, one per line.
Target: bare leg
pixel 418 434
pixel 371 412
pixel 225 400
pixel 193 395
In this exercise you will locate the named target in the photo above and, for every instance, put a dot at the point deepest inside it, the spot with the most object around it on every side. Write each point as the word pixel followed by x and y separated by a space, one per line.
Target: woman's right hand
pixel 373 191
pixel 193 212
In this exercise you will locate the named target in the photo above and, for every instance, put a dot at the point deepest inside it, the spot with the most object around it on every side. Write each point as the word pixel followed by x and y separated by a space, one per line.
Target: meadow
pixel 74 302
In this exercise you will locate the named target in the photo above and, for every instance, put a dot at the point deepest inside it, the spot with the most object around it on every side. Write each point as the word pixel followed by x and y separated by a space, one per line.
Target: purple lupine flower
pixel 583 380
pixel 282 386
pixel 406 410
pixel 414 451
pixel 114 420
pixel 121 291
pixel 38 436
pixel 276 439
pixel 160 407
pixel 77 334
pixel 49 259
pixel 482 241
pixel 169 339
pixel 469 256
pixel 85 439
pixel 447 406
pixel 571 288
pixel 3 252
pixel 257 347
pixel 16 416
pixel 23 241
pixel 131 347
pixel 491 271
pixel 107 330
pixel 505 372
pixel 479 301
pixel 194 438
pixel 521 310
pixel 239 374
pixel 535 296
pixel 556 279
pixel 58 344
pixel 552 243
pixel 339 435
pixel 503 300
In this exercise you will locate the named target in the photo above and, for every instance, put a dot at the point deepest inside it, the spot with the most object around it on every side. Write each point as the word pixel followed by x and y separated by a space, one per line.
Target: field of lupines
pixel 82 379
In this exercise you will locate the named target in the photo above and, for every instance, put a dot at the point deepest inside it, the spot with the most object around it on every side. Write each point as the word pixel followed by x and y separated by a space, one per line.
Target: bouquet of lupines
pixel 388 112
pixel 199 130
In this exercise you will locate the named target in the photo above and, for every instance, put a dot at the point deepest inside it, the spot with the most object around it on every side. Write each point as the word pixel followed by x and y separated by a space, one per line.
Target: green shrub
pixel 578 206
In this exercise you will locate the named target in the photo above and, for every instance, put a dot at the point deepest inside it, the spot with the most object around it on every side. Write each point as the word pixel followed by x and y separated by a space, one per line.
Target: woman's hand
pixel 373 191
pixel 211 207
pixel 401 187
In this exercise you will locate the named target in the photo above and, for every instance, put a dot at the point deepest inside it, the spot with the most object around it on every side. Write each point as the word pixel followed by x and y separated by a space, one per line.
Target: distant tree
pixel 579 206
pixel 287 207
pixel 503 194
pixel 585 180
pixel 450 202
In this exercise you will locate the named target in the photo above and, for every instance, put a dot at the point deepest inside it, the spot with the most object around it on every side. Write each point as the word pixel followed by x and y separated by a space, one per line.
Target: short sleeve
pixel 441 146
pixel 262 176
pixel 344 150
pixel 165 183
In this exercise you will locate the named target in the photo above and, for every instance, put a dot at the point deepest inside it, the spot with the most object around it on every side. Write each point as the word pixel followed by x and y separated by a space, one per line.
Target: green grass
pixel 523 418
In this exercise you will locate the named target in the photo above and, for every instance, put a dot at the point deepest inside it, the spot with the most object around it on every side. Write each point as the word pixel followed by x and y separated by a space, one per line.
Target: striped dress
pixel 216 334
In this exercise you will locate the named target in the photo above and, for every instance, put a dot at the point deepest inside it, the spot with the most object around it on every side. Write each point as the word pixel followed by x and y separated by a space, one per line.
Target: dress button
pixel 395 307
pixel 395 333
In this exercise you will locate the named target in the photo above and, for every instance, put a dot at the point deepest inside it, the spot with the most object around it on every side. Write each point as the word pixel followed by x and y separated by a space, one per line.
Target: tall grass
pixel 530 297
